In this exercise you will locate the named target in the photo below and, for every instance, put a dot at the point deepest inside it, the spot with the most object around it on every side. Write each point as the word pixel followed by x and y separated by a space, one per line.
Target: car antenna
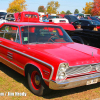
pixel 28 30
pixel 28 26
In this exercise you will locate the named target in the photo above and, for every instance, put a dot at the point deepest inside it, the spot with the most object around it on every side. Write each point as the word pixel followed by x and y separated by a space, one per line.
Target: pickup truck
pixel 28 16
pixel 86 36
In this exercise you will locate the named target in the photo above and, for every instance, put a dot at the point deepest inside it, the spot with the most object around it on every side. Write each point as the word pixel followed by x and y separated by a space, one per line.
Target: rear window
pixel 30 16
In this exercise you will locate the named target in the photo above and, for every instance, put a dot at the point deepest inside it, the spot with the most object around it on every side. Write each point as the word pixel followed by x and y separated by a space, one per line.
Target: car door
pixel 9 40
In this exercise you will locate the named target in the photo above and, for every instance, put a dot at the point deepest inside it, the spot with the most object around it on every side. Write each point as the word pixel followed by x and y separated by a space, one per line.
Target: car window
pixel 50 17
pixel 10 33
pixel 2 15
pixel 31 16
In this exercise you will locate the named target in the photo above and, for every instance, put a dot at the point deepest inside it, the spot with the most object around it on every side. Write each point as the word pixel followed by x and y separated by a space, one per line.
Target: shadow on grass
pixel 16 76
pixel 54 94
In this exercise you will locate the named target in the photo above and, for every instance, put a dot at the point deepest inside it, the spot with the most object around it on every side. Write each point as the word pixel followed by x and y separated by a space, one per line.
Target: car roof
pixel 26 23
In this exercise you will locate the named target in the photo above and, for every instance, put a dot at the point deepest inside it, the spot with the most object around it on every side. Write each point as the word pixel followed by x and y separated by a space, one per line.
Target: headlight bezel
pixel 61 73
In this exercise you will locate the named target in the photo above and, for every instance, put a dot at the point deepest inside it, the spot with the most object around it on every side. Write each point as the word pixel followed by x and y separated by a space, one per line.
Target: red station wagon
pixel 47 56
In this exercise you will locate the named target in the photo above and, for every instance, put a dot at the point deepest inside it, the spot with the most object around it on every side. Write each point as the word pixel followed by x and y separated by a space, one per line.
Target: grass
pixel 11 82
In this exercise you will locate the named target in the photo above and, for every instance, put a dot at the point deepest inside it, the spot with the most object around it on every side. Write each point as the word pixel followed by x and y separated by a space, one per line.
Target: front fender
pixel 45 69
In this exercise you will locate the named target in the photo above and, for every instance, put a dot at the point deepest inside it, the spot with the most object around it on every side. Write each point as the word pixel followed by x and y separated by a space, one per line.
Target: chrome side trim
pixel 12 63
pixel 33 59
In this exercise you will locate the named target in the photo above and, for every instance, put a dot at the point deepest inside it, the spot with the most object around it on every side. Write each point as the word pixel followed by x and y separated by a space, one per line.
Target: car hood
pixel 73 53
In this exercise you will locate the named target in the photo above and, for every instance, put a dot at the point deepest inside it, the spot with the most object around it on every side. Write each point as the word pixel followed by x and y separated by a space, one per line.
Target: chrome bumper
pixel 73 82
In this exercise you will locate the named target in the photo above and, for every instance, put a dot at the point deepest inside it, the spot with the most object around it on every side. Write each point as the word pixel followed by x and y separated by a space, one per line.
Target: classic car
pixel 2 16
pixel 59 20
pixel 87 24
pixel 93 18
pixel 26 16
pixel 47 56
pixel 10 17
pixel 71 18
pixel 45 19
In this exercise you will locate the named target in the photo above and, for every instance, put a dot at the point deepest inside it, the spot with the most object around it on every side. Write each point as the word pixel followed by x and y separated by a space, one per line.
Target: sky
pixel 64 4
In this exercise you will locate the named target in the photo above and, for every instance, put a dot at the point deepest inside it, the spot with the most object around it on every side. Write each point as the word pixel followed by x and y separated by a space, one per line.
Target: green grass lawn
pixel 12 82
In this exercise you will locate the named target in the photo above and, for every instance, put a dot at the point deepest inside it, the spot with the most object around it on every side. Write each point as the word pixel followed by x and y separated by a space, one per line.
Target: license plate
pixel 92 81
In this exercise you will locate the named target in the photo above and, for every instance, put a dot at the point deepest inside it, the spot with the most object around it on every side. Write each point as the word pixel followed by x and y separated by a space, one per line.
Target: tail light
pixel 98 27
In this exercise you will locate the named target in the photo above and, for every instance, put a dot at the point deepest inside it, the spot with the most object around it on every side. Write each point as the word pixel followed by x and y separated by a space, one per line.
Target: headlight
pixel 98 67
pixel 61 74
pixel 63 67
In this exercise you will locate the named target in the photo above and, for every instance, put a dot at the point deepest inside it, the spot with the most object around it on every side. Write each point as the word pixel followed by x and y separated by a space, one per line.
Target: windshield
pixel 93 18
pixel 71 18
pixel 44 34
pixel 2 15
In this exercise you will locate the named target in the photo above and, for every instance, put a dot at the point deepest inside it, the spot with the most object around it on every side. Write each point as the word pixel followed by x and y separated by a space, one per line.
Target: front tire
pixel 36 83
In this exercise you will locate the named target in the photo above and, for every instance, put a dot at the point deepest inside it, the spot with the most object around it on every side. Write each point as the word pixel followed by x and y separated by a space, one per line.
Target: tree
pixel 62 12
pixel 68 12
pixel 76 11
pixel 96 8
pixel 41 9
pixel 52 7
pixel 17 6
pixel 88 8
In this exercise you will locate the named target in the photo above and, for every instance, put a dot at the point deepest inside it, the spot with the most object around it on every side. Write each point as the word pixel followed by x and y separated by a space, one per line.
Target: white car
pixel 2 21
pixel 10 17
pixel 59 20
pixel 2 16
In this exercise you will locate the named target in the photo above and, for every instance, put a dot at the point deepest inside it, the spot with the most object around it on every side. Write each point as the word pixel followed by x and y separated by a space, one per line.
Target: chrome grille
pixel 72 71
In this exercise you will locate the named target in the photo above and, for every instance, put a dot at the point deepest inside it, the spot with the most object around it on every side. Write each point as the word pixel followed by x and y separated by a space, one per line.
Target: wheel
pixel 52 37
pixel 36 83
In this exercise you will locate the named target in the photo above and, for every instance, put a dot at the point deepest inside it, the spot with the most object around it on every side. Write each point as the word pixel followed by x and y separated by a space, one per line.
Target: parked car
pixel 71 18
pixel 45 19
pixel 98 17
pixel 10 17
pixel 87 24
pixel 93 18
pixel 59 20
pixel 48 57
pixel 2 16
pixel 52 16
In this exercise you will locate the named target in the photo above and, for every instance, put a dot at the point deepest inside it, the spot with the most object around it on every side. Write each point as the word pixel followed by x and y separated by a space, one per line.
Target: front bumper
pixel 73 82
